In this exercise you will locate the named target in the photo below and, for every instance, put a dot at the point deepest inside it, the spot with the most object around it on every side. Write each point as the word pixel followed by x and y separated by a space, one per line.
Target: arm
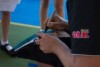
pixel 64 54
pixel 51 44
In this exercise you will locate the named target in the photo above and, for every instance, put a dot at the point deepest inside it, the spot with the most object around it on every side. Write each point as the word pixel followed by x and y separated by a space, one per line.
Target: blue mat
pixel 27 12
pixel 32 65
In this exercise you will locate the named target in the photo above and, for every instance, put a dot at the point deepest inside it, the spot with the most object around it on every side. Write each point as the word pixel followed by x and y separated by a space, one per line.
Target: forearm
pixel 64 54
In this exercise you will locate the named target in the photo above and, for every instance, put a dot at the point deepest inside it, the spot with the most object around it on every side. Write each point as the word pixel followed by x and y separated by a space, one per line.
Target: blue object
pixel 32 65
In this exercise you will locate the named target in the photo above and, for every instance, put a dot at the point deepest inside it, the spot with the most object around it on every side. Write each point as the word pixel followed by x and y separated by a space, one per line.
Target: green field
pixel 17 33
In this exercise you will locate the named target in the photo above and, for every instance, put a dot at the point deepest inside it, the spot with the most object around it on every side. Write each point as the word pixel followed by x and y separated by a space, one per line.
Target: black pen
pixel 49 21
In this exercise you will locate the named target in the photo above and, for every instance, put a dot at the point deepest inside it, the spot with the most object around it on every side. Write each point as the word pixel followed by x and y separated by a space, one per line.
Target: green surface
pixel 16 35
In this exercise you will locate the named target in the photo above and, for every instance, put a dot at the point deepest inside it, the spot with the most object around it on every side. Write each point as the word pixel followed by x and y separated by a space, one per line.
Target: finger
pixel 37 41
pixel 58 23
pixel 54 24
pixel 40 35
pixel 46 22
pixel 50 24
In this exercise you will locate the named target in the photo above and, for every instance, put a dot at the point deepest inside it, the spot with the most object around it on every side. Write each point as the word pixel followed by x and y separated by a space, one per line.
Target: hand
pixel 57 26
pixel 48 43
pixel 58 23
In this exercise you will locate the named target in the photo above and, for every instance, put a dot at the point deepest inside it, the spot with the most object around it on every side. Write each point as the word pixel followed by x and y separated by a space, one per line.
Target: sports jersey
pixel 84 19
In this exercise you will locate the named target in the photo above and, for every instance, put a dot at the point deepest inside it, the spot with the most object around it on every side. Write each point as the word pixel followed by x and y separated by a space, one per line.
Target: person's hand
pixel 48 43
pixel 58 23
pixel 57 26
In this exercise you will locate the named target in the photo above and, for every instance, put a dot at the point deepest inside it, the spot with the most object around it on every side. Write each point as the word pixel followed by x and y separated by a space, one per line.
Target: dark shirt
pixel 84 19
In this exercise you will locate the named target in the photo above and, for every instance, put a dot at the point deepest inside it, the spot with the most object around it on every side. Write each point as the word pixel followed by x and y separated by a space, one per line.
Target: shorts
pixel 8 5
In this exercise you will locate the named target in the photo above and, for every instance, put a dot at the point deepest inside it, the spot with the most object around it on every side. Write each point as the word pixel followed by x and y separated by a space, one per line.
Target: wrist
pixel 62 48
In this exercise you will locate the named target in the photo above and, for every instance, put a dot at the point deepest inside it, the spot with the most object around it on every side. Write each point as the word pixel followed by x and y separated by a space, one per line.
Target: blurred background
pixel 28 12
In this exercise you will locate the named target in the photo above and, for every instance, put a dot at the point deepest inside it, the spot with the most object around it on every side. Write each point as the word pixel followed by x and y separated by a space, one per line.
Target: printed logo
pixel 83 33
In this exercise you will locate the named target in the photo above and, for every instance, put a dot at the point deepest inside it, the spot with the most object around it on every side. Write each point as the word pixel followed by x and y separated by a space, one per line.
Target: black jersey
pixel 84 19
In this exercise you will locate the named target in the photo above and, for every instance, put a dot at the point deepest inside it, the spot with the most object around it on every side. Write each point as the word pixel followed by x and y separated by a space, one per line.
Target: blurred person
pixel 6 7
